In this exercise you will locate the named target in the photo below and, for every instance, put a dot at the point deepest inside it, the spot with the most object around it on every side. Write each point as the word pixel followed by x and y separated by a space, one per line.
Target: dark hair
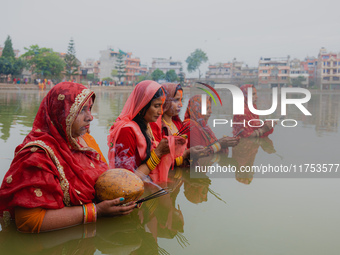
pixel 179 87
pixel 139 119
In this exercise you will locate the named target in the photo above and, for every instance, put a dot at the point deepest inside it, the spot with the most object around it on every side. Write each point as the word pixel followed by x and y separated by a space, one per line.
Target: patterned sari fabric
pixel 50 169
pixel 200 133
pixel 248 115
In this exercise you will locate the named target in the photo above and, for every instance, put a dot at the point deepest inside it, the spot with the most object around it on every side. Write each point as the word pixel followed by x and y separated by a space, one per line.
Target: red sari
pixel 248 115
pixel 50 169
pixel 200 133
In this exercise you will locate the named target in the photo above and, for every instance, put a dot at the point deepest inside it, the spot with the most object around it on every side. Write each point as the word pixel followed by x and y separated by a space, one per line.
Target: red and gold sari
pixel 50 169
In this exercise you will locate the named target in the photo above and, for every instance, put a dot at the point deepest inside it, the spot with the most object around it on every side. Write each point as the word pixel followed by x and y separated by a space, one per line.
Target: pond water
pixel 241 213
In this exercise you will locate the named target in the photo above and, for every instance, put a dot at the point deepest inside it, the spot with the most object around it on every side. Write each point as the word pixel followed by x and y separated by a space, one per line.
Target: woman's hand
pixel 227 141
pixel 162 148
pixel 195 152
pixel 268 125
pixel 114 208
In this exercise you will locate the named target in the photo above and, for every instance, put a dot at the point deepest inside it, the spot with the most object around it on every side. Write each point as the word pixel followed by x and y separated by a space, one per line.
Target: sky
pixel 244 29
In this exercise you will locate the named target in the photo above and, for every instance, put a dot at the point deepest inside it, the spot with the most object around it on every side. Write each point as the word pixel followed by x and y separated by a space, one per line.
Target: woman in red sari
pixel 132 143
pixel 200 132
pixel 249 131
pixel 170 122
pixel 50 184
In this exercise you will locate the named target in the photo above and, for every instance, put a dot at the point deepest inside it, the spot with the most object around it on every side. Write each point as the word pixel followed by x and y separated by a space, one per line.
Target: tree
pixel 144 77
pixel 120 66
pixel 44 62
pixel 157 75
pixel 109 79
pixel 6 66
pixel 181 76
pixel 194 61
pixel 8 51
pixel 171 76
pixel 297 82
pixel 91 77
pixel 71 61
pixel 9 65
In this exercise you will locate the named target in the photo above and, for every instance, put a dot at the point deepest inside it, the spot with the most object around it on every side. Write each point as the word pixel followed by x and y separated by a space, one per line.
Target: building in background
pixel 328 70
pixel 108 62
pixel 91 67
pixel 310 63
pixel 234 72
pixel 166 65
pixel 273 72
pixel 298 76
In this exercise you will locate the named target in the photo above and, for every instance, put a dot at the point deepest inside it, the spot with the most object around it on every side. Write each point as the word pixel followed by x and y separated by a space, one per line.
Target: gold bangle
pixel 216 147
pixel 179 161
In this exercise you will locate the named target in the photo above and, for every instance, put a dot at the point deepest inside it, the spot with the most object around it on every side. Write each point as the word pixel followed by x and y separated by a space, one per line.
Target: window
pixel 284 78
pixel 265 71
pixel 335 78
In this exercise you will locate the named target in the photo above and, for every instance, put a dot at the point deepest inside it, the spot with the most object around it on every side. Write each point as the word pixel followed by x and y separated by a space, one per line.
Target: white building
pixel 165 65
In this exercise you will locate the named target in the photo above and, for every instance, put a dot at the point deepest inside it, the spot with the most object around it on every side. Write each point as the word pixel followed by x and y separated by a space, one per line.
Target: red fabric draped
pixel 200 133
pixel 129 153
pixel 50 169
pixel 140 97
pixel 248 115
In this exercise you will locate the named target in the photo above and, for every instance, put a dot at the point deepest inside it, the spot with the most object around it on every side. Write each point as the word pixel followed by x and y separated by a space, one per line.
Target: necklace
pixel 150 133
pixel 171 125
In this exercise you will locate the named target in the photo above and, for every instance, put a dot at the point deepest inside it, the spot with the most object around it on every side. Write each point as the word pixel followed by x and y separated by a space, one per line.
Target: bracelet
pixel 216 147
pixel 179 161
pixel 153 161
pixel 90 213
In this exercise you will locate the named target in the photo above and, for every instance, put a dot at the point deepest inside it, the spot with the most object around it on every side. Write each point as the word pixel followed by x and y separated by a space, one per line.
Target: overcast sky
pixel 227 29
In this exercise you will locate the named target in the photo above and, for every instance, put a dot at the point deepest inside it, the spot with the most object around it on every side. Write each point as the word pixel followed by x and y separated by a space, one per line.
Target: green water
pixel 203 215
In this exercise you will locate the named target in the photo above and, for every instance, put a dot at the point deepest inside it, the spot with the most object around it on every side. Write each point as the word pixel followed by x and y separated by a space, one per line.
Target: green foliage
pixel 71 61
pixel 171 76
pixel 194 61
pixel 107 79
pixel 157 75
pixel 144 77
pixel 6 66
pixel 114 73
pixel 8 51
pixel 9 65
pixel 120 66
pixel 91 77
pixel 297 82
pixel 44 62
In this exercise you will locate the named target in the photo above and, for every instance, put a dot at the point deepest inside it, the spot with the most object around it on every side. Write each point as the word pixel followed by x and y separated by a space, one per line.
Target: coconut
pixel 119 182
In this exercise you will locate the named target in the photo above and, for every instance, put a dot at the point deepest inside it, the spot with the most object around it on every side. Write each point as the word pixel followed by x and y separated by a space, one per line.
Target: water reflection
pixel 137 233
pixel 194 214
pixel 244 155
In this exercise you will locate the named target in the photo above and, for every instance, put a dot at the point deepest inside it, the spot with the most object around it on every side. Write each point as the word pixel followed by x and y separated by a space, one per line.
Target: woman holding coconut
pixel 50 183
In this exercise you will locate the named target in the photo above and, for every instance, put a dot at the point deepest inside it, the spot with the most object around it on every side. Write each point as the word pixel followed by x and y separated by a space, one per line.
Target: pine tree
pixel 120 66
pixel 71 61
pixel 8 51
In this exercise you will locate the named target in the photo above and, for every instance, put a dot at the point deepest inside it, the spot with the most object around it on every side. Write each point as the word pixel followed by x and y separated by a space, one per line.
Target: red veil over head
pixel 200 133
pixel 248 115
pixel 50 169
pixel 140 97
